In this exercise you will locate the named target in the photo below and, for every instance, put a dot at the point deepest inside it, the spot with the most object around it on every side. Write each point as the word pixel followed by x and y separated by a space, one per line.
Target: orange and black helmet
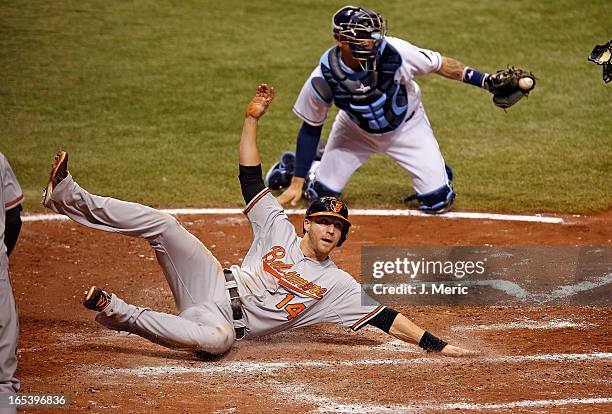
pixel 330 206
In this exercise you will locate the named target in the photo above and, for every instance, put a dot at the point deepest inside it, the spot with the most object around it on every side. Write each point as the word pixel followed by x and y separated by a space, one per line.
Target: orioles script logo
pixel 290 279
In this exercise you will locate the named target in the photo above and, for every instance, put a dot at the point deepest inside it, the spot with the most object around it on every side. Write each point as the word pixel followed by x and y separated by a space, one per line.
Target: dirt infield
pixel 534 359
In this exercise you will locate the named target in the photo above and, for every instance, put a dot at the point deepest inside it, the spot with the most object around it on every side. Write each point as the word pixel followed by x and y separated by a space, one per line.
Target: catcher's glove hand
pixel 508 86
pixel 602 55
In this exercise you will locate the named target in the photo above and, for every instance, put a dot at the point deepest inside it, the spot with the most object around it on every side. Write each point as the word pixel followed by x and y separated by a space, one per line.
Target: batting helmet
pixel 330 206
pixel 363 30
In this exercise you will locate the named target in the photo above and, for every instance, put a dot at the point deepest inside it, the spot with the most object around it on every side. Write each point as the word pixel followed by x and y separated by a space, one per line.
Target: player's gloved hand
pixel 508 86
pixel 260 103
pixel 455 351
pixel 293 193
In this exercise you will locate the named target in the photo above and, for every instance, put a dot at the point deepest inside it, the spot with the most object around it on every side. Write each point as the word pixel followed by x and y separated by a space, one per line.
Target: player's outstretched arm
pixel 404 329
pixel 249 153
pixel 508 86
pixel 451 68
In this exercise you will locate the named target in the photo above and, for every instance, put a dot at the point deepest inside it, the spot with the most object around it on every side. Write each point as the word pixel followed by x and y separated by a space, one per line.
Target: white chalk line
pixel 528 324
pixel 329 404
pixel 326 404
pixel 263 367
pixel 521 404
pixel 356 212
pixel 513 289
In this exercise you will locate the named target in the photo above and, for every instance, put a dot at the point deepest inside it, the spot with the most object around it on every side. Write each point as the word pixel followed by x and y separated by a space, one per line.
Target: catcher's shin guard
pixel 314 189
pixel 439 200
pixel 435 202
pixel 280 175
pixel 449 172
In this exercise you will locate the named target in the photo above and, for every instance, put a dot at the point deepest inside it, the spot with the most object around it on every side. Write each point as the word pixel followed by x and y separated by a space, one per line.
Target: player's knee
pixel 217 340
pixel 167 224
pixel 314 188
pixel 214 336
pixel 168 221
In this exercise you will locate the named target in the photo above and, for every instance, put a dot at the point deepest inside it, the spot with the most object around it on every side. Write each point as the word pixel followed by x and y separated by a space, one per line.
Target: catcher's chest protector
pixel 374 101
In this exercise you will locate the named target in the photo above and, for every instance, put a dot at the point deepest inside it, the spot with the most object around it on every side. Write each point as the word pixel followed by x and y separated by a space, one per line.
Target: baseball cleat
pixel 96 299
pixel 59 171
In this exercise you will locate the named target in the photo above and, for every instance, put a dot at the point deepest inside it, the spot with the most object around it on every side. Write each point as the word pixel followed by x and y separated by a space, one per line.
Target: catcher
pixel 284 282
pixel 370 77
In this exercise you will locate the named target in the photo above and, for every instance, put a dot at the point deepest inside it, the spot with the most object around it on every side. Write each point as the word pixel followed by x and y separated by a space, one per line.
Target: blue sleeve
pixel 306 148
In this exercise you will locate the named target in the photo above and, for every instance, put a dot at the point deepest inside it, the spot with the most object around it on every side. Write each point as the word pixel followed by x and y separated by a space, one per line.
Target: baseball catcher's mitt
pixel 602 55
pixel 508 86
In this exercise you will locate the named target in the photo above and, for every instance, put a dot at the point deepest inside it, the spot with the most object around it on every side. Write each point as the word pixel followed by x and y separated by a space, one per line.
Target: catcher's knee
pixel 280 175
pixel 439 200
pixel 315 189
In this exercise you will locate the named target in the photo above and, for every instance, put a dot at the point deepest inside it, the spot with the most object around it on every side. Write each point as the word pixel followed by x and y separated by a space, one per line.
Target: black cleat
pixel 96 299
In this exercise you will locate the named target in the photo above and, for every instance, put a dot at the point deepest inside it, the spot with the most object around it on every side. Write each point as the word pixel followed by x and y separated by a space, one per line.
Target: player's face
pixel 324 233
pixel 347 55
pixel 351 58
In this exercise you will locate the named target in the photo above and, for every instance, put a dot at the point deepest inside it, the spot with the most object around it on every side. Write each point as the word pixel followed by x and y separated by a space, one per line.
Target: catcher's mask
pixel 602 55
pixel 330 206
pixel 363 30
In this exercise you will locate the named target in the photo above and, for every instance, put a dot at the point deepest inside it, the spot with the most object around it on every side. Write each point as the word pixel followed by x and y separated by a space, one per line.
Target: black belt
pixel 232 287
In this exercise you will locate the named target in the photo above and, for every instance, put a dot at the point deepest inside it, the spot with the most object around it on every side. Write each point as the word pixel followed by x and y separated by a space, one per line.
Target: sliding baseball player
pixel 284 282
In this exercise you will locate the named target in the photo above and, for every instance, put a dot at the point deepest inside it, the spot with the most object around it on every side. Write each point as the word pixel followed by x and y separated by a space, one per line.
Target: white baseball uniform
pixel 279 288
pixel 412 145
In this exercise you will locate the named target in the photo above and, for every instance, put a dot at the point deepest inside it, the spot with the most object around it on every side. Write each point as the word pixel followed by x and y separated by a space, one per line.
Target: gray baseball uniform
pixel 279 288
pixel 9 324
pixel 13 196
pixel 282 289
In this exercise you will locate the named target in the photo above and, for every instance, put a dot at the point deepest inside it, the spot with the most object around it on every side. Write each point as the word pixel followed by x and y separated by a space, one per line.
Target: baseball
pixel 525 83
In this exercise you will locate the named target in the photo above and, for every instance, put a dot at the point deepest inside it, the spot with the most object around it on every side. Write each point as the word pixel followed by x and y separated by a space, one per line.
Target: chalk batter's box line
pixel 268 367
pixel 328 404
pixel 331 404
pixel 355 212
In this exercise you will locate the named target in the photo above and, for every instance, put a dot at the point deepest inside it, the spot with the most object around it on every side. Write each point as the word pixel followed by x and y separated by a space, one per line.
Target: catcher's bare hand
pixel 455 351
pixel 260 103
pixel 293 193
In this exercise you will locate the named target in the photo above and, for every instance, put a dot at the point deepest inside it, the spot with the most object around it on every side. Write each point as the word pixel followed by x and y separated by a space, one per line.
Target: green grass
pixel 148 97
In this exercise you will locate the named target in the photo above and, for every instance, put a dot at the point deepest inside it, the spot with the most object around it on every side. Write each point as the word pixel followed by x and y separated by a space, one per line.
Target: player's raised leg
pixel 193 273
